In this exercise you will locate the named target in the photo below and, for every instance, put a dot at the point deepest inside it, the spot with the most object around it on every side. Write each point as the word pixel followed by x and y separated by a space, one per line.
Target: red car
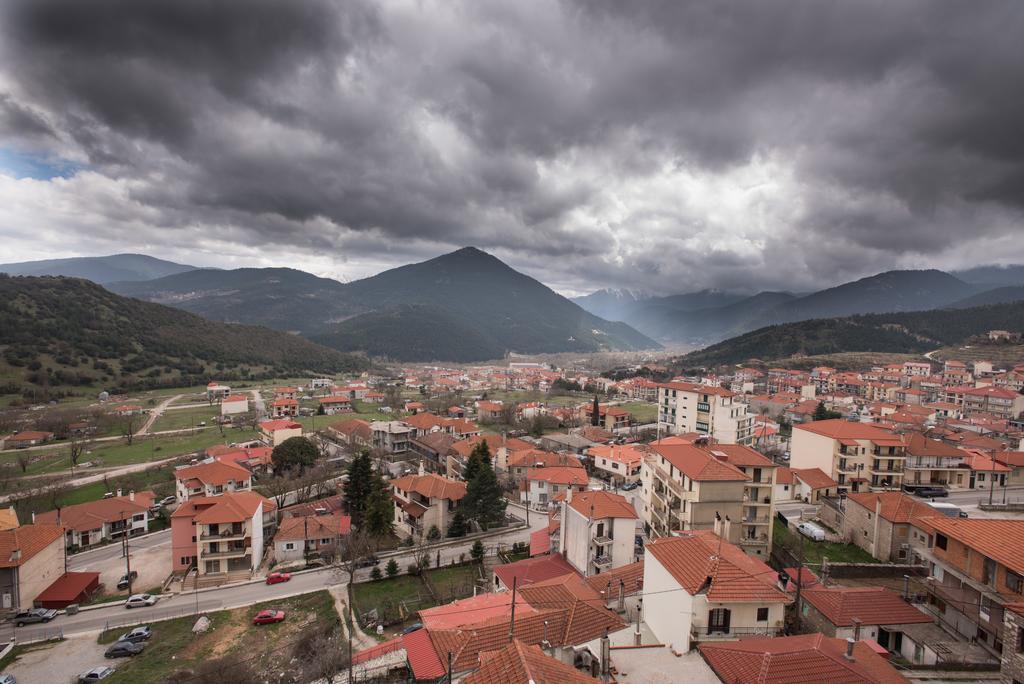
pixel 278 577
pixel 268 617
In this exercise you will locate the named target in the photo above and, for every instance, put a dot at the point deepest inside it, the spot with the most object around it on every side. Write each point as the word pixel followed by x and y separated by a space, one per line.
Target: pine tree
pixel 378 511
pixel 484 500
pixel 391 569
pixel 479 457
pixel 477 551
pixel 457 526
pixel 595 414
pixel 357 489
pixel 820 412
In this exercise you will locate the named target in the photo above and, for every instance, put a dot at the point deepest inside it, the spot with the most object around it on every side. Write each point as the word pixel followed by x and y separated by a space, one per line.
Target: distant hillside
pixel 993 276
pixel 999 295
pixel 281 298
pixel 882 293
pixel 611 304
pixel 68 332
pixel 463 306
pixel 905 332
pixel 102 270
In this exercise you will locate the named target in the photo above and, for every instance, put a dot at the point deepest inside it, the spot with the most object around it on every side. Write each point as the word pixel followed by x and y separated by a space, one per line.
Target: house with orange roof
pixel 1014 460
pixel 354 432
pixel 284 408
pixel 619 462
pixel 425 501
pixel 858 456
pixel 881 523
pixel 698 587
pixel 332 406
pixel 810 484
pixel 222 536
pixel 597 532
pixel 234 404
pixel 520 461
pixel 540 486
pixel 702 486
pixel 874 613
pixel 518 662
pixel 215 391
pixel 801 659
pixel 489 411
pixel 212 477
pixel 784 490
pixel 498 445
pixel 1000 401
pixel 932 462
pixel 274 432
pixel 25 439
pixel 299 537
pixel 31 558
pixel 286 393
pixel 90 523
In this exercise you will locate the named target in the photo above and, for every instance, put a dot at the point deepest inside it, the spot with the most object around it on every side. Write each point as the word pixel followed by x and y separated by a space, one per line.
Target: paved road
pixel 235 596
pixel 156 413
pixel 257 400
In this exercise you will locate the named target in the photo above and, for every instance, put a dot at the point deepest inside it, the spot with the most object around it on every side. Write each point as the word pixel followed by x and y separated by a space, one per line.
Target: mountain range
pixel 59 332
pixel 710 316
pixel 464 306
pixel 102 270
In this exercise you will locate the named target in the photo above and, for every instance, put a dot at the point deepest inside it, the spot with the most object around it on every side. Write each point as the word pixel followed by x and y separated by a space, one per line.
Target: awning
pixel 71 587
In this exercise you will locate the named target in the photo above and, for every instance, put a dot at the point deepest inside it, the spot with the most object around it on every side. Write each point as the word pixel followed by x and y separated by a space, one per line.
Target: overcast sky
pixel 668 146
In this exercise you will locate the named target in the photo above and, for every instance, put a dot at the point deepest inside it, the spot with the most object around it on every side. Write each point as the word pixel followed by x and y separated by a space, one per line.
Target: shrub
pixel 375 574
pixel 434 534
pixel 392 568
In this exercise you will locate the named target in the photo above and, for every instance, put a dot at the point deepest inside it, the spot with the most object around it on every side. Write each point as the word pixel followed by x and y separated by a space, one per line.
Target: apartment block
pixel 597 532
pixel 714 411
pixel 221 534
pixel 858 456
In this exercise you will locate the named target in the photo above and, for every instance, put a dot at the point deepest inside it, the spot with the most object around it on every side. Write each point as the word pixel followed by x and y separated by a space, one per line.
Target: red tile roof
pixel 68 588
pixel 1000 539
pixel 871 605
pixel 272 425
pixel 896 507
pixel 802 659
pixel 528 458
pixel 473 610
pixel 423 656
pixel 29 540
pixel 91 515
pixel 701 562
pixel 494 442
pixel 739 455
pixel 540 542
pixel 432 486
pixel 531 570
pixel 561 475
pixel 697 464
pixel 313 527
pixel 628 454
pixel 607 583
pixel 602 504
pixel 814 478
pixel 217 473
pixel 518 663
pixel 843 429
pixel 784 476
pixel 228 507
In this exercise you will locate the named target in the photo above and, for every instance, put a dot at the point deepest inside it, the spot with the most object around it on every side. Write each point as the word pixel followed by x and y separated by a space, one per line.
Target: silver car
pixel 140 600
pixel 95 675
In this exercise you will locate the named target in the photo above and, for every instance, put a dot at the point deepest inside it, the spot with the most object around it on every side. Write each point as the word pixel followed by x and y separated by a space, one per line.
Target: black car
pixel 367 562
pixel 124 649
pixel 126 581
pixel 930 492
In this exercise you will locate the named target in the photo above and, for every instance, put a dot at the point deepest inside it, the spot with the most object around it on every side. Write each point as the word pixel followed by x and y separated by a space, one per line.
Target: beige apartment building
pixel 860 457
pixel 724 488
pixel 713 411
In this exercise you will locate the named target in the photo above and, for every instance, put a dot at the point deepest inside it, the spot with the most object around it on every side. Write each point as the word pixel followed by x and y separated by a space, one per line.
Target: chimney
pixel 606 656
pixel 856 629
pixel 718 524
pixel 119 491
pixel 420 470
pixel 34 517
pixel 726 528
pixel 15 555
pixel 131 495
pixel 849 649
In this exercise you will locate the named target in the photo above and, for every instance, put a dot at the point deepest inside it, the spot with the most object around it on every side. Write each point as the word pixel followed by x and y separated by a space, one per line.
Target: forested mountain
pixel 993 276
pixel 102 270
pixel 998 295
pixel 904 332
pixel 462 306
pixel 611 304
pixel 57 331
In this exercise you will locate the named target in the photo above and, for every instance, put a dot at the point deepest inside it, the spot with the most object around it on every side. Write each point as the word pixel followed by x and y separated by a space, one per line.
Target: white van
pixel 947 509
pixel 809 529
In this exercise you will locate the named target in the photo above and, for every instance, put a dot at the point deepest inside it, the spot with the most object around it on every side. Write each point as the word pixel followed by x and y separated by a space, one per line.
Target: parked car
pixel 95 675
pixel 140 600
pixel 124 649
pixel 931 492
pixel 268 617
pixel 27 617
pixel 138 634
pixel 126 580
pixel 367 562
pixel 7 679
pixel 809 529
pixel 630 486
pixel 414 627
pixel 278 577
pixel 168 500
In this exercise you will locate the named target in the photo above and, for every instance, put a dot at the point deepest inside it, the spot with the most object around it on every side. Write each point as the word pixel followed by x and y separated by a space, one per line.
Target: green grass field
pixel 643 411
pixel 395 599
pixel 815 551
pixel 454 582
pixel 176 419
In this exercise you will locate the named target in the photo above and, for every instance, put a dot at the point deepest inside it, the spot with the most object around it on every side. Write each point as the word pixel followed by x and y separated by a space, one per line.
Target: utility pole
pixel 991 480
pixel 449 667
pixel 512 622
pixel 127 554
pixel 799 584
pixel 349 630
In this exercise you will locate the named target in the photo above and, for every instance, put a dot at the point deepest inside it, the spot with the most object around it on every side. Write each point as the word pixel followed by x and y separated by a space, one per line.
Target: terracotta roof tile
pixel 217 473
pixel 91 515
pixel 602 504
pixel 29 540
pixel 896 507
pixel 607 583
pixel 518 663
pixel 432 486
pixel 530 570
pixel 871 605
pixel 696 463
pixel 313 527
pixel 814 478
pixel 844 429
pixel 1002 540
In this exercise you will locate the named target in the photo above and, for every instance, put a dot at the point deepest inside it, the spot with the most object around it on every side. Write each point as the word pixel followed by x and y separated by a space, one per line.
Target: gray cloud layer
pixel 669 146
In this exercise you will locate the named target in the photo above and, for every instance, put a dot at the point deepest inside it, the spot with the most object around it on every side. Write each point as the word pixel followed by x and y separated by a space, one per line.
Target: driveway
pixel 150 556
pixel 60 661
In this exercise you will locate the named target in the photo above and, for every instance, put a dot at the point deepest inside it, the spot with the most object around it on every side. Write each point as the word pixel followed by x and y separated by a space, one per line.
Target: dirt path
pixel 360 639
pixel 156 413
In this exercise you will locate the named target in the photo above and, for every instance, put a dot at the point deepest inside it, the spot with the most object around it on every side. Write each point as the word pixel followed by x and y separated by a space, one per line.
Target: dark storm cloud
pixel 661 145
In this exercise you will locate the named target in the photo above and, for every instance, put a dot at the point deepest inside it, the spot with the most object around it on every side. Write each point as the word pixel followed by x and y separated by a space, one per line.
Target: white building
pixel 715 411
pixel 699 588
pixel 234 404
pixel 598 531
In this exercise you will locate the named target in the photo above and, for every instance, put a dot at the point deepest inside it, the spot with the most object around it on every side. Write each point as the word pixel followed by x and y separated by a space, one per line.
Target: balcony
pixel 602 541
pixel 224 535
pixel 602 561
pixel 756 520
pixel 229 553
pixel 701 633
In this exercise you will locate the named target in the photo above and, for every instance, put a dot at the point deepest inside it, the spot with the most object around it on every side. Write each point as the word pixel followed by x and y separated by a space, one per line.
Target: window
pixel 988 571
pixel 762 614
pixel 941 541
pixel 289 546
pixel 1013 581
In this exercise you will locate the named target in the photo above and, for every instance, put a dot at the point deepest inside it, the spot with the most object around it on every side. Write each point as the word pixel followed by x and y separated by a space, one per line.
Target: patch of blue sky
pixel 40 166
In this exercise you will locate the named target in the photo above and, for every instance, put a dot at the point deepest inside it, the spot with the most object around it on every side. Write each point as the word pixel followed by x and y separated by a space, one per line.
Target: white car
pixel 95 675
pixel 140 600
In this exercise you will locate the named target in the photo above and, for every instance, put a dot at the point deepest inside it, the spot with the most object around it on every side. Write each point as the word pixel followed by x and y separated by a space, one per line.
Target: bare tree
pixel 321 653
pixel 128 425
pixel 23 458
pixel 354 547
pixel 76 448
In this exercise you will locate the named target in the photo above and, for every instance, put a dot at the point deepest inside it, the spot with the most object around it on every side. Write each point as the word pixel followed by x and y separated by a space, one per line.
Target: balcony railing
pixel 224 535
pixel 754 541
pixel 704 633
pixel 602 541
pixel 756 520
pixel 229 553
pixel 602 561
